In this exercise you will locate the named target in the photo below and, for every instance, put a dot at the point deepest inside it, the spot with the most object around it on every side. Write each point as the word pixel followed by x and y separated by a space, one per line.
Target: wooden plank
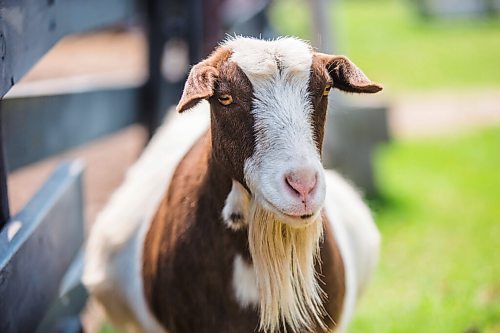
pixel 36 248
pixel 40 126
pixel 29 28
pixel 64 314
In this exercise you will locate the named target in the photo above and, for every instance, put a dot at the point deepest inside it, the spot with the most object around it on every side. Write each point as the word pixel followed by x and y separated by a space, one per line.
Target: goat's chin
pixel 284 259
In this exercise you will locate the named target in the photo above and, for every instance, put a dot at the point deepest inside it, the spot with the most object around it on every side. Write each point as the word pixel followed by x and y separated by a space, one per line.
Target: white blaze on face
pixel 286 180
pixel 279 72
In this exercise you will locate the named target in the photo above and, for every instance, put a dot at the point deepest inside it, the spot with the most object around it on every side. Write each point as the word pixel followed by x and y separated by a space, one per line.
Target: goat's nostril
pixel 313 185
pixel 290 184
pixel 301 182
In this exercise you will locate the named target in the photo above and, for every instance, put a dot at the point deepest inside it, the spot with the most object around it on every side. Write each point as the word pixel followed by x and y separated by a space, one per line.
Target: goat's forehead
pixel 261 59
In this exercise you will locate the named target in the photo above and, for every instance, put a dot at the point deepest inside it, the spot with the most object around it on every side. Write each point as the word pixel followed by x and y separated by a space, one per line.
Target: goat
pixel 238 228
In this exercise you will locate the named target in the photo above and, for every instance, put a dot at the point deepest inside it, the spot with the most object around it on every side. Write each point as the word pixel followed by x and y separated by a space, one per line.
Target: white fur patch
pixel 258 58
pixel 244 283
pixel 235 211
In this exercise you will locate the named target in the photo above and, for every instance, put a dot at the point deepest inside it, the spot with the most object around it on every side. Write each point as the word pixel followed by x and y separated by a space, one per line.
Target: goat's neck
pixel 187 239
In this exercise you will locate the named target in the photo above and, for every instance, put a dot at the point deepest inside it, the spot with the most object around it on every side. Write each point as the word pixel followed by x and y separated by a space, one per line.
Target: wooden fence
pixel 38 244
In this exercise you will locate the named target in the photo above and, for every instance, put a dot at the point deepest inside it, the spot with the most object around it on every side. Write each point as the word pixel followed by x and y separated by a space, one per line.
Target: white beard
pixel 284 259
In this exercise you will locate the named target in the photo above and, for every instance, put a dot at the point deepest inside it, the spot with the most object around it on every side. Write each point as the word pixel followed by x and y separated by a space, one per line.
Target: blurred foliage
pixel 440 221
pixel 107 328
pixel 395 46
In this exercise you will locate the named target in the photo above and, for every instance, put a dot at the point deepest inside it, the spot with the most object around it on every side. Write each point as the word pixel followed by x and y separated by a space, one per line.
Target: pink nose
pixel 302 182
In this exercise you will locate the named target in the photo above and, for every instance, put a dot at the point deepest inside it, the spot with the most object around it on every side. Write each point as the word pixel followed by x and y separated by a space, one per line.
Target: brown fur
pixel 332 275
pixel 232 125
pixel 189 254
pixel 340 73
pixel 317 82
pixel 201 80
pixel 346 76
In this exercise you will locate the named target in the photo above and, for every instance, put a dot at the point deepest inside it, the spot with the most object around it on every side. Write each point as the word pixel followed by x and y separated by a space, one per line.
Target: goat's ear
pixel 346 75
pixel 199 85
pixel 201 81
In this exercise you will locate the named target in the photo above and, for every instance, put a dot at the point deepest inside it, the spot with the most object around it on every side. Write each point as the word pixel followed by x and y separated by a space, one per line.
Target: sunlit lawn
pixel 393 45
pixel 440 220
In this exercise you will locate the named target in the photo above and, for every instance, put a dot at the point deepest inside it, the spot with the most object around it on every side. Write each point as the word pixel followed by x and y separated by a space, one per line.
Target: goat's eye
pixel 327 89
pixel 225 99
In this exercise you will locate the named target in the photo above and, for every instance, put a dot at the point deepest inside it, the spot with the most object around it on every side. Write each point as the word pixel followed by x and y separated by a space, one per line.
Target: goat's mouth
pixel 292 219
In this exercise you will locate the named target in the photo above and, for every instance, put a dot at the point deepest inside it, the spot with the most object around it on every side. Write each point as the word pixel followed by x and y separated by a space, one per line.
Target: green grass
pixel 440 221
pixel 394 46
pixel 107 328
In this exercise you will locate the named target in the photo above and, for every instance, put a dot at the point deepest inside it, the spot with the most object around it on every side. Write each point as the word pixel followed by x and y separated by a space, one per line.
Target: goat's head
pixel 268 109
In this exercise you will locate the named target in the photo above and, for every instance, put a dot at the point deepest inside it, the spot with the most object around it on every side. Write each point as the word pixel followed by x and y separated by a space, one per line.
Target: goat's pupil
pixel 326 91
pixel 225 99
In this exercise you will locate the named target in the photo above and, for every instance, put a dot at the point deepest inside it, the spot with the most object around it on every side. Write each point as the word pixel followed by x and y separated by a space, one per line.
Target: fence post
pixel 4 194
pixel 151 90
pixel 167 20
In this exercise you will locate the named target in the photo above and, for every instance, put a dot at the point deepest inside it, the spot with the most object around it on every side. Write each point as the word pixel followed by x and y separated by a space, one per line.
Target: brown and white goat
pixel 238 228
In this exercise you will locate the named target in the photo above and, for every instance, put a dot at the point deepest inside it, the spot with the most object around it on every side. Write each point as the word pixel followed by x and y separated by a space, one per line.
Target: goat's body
pixel 113 261
pixel 114 264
